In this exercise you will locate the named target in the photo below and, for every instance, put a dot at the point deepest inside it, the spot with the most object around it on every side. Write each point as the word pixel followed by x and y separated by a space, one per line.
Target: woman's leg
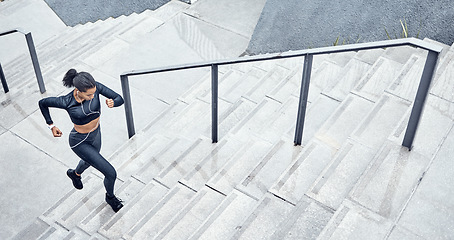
pixel 82 166
pixel 91 156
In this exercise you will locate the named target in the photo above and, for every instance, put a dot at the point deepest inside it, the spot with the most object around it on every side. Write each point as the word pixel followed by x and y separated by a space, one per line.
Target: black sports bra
pixel 80 113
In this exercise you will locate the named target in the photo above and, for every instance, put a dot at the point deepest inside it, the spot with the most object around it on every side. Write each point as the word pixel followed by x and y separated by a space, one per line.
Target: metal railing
pixel 423 88
pixel 33 55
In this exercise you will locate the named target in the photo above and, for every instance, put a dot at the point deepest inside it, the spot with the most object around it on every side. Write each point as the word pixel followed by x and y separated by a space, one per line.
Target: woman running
pixel 84 109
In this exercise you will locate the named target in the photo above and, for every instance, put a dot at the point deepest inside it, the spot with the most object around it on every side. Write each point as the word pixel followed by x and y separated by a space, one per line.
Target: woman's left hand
pixel 110 103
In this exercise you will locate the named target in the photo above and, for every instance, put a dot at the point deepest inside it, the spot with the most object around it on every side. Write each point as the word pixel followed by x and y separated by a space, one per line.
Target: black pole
pixel 34 56
pixel 128 105
pixel 421 95
pixel 304 95
pixel 214 103
pixel 2 77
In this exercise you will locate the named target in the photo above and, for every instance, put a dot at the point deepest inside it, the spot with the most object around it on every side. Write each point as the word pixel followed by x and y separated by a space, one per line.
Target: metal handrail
pixel 426 78
pixel 33 55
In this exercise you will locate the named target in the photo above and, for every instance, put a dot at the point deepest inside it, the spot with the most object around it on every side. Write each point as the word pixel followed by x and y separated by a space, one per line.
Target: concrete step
pixel 179 167
pixel 288 85
pixel 192 216
pixel 130 164
pixel 281 124
pixel 192 120
pixel 266 84
pixel 226 83
pixel 33 231
pixel 228 119
pixel 120 224
pixel 258 181
pixel 201 173
pixel 202 88
pixel 55 232
pixel 436 120
pixel 266 218
pixel 156 218
pixel 402 54
pixel 369 56
pixel 388 181
pixel 157 124
pixel 100 215
pixel 243 87
pixel 257 119
pixel 324 78
pixel 339 177
pixel 407 83
pixel 238 167
pixel 21 102
pixel 442 85
pixel 379 78
pixel 341 59
pixel 169 10
pixel 317 113
pixel 300 175
pixel 380 122
pixel 155 163
pixel 344 120
pixel 226 219
pixel 352 221
pixel 307 221
pixel 352 74
pixel 74 200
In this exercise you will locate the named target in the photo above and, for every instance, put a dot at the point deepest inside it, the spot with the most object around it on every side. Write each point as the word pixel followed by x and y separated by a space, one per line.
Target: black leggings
pixel 87 147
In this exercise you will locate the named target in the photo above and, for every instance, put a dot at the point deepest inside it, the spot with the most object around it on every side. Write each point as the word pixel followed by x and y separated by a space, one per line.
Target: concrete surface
pixel 36 179
pixel 81 12
pixel 296 24
pixel 350 176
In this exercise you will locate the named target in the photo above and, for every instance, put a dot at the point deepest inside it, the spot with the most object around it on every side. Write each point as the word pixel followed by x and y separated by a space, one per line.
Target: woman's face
pixel 87 95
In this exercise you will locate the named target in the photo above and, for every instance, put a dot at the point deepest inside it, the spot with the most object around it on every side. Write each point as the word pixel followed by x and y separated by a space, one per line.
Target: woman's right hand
pixel 56 132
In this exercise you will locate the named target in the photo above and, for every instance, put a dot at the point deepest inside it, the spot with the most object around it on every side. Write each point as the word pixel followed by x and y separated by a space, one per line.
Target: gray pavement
pixel 296 24
pixel 81 12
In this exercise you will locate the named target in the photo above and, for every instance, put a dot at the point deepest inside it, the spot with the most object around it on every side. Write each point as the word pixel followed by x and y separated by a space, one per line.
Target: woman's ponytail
pixel 82 80
pixel 69 77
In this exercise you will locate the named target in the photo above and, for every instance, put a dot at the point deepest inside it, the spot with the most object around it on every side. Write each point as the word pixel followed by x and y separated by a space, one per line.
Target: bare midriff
pixel 89 127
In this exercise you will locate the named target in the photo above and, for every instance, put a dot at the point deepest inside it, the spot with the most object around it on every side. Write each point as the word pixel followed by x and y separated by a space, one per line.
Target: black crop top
pixel 80 113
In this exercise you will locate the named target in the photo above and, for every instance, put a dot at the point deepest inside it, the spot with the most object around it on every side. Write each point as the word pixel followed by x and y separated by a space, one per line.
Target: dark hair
pixel 82 80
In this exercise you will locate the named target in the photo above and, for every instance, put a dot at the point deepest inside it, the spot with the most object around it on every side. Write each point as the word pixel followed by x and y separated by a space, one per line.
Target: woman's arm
pixel 44 105
pixel 113 99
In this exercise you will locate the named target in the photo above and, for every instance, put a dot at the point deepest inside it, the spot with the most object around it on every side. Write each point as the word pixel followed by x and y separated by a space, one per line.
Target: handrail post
pixel 421 95
pixel 128 105
pixel 2 77
pixel 307 67
pixel 34 56
pixel 214 102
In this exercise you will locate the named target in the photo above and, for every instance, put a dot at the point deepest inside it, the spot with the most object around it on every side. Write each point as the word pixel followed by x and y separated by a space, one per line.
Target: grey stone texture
pixel 301 24
pixel 81 12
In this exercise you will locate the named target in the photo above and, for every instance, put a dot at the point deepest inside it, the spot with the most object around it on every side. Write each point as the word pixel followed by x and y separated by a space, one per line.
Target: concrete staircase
pixel 350 179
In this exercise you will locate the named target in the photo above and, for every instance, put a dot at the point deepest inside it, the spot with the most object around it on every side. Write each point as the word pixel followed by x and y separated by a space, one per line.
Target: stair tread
pixel 224 222
pixel 338 179
pixel 379 78
pixel 191 217
pixel 301 174
pixel 260 179
pixel 238 167
pixel 156 218
pixel 120 224
pixel 99 216
pixel 266 219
